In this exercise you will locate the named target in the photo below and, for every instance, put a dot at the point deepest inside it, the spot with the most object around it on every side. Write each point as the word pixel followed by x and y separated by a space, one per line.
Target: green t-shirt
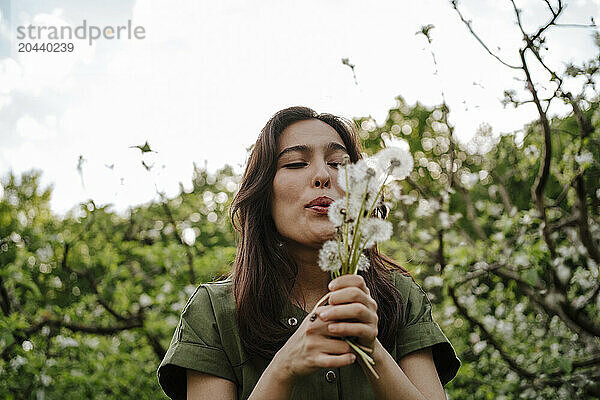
pixel 207 340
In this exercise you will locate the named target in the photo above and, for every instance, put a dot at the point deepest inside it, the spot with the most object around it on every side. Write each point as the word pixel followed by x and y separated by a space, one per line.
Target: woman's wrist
pixel 276 382
pixel 280 369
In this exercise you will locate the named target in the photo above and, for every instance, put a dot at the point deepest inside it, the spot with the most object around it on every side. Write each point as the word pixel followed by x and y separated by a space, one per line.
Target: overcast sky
pixel 208 75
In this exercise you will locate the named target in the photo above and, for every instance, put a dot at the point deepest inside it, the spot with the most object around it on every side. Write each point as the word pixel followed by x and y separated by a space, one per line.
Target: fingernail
pixel 353 358
pixel 324 314
pixel 331 285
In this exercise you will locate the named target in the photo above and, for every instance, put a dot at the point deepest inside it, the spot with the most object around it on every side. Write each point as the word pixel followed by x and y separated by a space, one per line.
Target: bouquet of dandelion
pixel 356 228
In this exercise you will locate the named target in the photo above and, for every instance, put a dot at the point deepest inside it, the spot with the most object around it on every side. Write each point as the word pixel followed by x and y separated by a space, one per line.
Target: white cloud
pixel 29 128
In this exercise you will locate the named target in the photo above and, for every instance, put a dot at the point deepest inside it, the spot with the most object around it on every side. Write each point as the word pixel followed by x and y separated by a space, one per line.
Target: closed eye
pixel 295 165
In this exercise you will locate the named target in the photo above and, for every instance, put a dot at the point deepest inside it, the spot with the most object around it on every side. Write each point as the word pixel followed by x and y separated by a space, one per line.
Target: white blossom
pixel 407 199
pixel 63 341
pixel 167 287
pixel 46 380
pixel 474 337
pixel 424 236
pixel 92 342
pixel 521 259
pixel 17 362
pixel 563 273
pixel 427 208
pixel 444 220
pixel 479 347
pixel 489 322
pixel 469 179
pixel 145 300
pixel 584 158
pixel 433 281
pixel 189 289
pixel 329 258
pixel 398 162
pixel 188 236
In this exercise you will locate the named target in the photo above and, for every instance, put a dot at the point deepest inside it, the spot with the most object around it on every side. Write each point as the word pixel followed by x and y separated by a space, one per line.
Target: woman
pixel 249 336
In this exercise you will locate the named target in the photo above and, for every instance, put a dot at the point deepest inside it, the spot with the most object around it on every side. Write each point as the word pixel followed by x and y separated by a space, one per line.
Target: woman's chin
pixel 327 234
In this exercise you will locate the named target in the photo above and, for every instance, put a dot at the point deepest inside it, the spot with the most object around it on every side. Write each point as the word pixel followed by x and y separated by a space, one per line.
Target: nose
pixel 322 178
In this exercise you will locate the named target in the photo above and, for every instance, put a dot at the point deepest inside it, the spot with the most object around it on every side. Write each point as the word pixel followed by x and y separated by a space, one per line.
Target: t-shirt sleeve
pixel 420 331
pixel 196 345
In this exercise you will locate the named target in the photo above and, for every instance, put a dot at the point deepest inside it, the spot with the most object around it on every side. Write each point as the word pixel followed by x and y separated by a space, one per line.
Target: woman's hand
pixel 351 310
pixel 311 348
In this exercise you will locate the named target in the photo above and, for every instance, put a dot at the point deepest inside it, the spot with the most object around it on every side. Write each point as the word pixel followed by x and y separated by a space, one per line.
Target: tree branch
pixel 554 303
pixel 555 15
pixel 512 363
pixel 584 229
pixel 589 296
pixel 571 220
pixel 95 329
pixel 476 274
pixel 504 194
pixel 5 303
pixel 158 349
pixel 188 251
pixel 468 25
pixel 134 322
pixel 93 285
pixel 471 214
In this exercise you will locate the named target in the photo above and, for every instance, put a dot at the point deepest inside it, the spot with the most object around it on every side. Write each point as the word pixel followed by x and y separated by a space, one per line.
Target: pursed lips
pixel 320 205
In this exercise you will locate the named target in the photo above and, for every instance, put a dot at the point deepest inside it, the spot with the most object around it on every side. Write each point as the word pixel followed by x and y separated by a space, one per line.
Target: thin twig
pixel 468 24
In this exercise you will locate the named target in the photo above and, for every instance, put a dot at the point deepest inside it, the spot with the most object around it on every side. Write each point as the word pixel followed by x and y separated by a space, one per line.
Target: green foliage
pixel 89 302
pixel 467 227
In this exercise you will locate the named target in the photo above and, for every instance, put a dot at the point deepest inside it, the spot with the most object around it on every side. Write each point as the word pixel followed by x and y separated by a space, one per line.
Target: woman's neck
pixel 311 282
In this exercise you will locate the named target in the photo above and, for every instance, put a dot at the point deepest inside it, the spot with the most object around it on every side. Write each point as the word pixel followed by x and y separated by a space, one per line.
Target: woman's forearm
pixel 274 383
pixel 393 382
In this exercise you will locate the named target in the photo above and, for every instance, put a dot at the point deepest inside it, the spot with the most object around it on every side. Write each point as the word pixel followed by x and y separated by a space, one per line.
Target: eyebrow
pixel 302 148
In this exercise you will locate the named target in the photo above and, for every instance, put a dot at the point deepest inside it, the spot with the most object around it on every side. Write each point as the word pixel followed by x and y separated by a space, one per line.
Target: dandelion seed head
pixel 375 230
pixel 337 212
pixel 354 205
pixel 363 263
pixel 329 259
pixel 398 162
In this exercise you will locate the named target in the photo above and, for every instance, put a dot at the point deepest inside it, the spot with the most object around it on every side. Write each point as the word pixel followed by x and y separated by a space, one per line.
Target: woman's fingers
pixel 349 280
pixel 349 311
pixel 352 294
pixel 334 361
pixel 335 346
pixel 352 329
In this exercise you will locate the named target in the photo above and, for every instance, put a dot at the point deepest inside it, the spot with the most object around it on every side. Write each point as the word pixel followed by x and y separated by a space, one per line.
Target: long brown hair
pixel 264 273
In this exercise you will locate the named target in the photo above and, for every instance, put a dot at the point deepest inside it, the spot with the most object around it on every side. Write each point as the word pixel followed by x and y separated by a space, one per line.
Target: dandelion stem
pixel 352 258
pixel 367 360
pixel 345 234
pixel 378 193
pixel 365 348
pixel 321 301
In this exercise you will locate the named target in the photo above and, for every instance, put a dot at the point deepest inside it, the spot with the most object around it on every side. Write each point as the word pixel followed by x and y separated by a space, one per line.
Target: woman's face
pixel 306 181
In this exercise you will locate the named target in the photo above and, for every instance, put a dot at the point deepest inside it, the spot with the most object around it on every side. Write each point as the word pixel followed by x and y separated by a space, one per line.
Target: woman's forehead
pixel 312 132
